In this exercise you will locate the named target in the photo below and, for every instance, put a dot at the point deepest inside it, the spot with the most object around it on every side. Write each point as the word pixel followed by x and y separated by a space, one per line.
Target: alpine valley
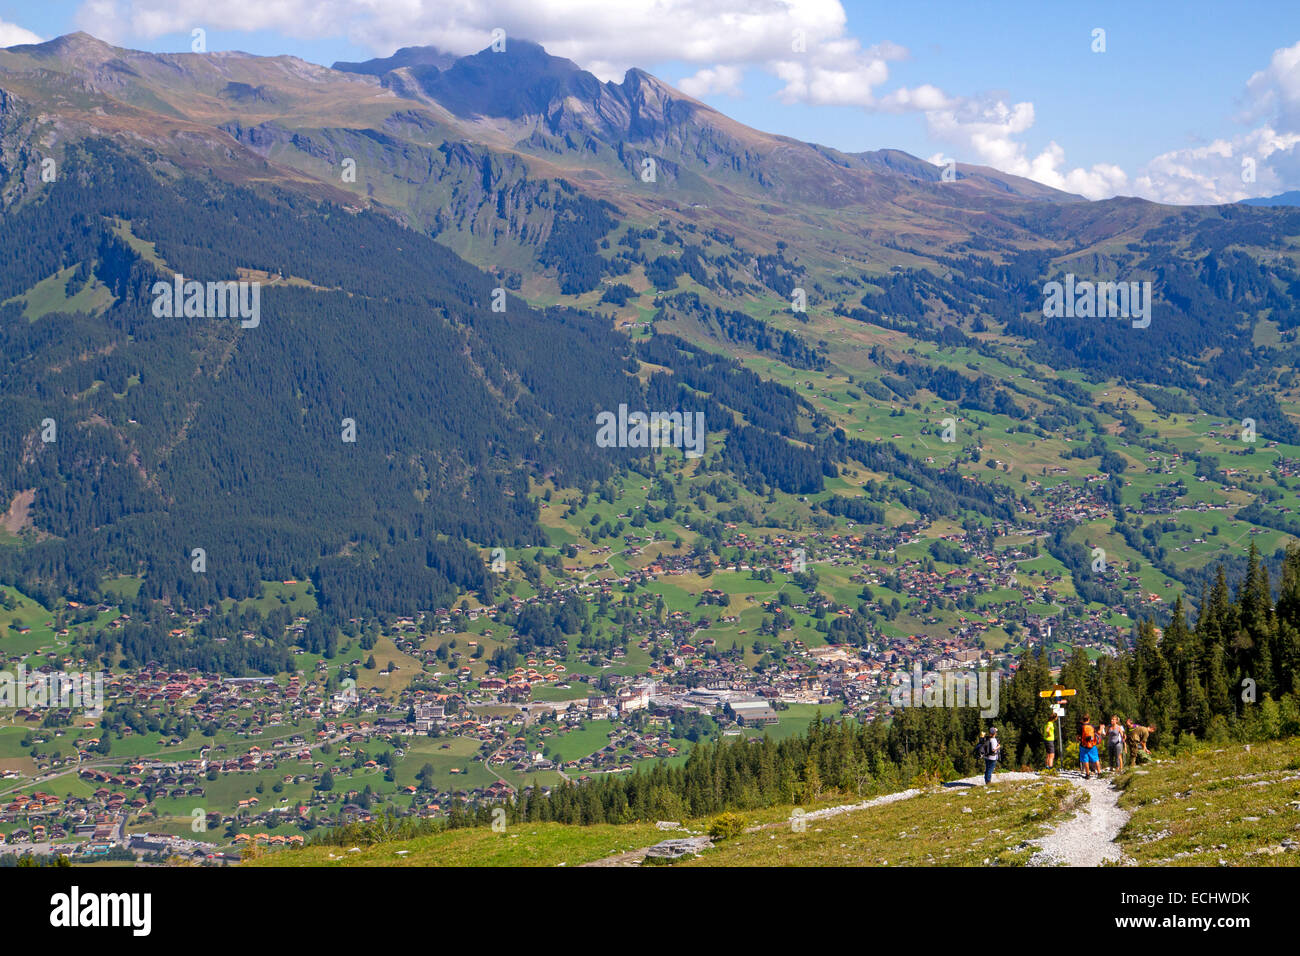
pixel 360 560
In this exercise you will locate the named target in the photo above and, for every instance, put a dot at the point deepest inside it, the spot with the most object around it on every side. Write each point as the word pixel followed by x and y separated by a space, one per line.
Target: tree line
pixel 1233 674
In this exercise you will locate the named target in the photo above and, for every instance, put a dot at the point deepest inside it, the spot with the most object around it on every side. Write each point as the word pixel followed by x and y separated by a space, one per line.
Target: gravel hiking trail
pixel 1088 838
pixel 1085 840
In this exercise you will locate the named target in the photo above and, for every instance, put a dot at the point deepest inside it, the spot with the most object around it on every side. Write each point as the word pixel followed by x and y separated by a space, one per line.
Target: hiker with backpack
pixel 1089 762
pixel 989 749
pixel 1049 735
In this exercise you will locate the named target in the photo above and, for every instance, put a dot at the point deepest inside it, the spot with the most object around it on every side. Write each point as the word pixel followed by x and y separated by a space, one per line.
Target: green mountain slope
pixel 1229 805
pixel 182 433
pixel 924 306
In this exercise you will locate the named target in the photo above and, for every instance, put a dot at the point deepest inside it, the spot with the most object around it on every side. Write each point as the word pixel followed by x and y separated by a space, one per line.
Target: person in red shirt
pixel 1089 761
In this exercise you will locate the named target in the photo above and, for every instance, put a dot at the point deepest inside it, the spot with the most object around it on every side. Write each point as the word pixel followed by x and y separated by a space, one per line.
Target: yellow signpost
pixel 1058 693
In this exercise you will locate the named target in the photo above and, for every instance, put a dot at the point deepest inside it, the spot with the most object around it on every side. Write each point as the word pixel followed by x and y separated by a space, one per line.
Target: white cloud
pixel 835 72
pixel 986 132
pixel 594 33
pixel 924 97
pixel 13 35
pixel 719 79
pixel 804 42
pixel 1275 90
pixel 1263 161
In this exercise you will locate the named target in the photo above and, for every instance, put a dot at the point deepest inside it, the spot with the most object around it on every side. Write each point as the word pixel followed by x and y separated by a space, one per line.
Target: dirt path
pixel 1088 839
pixel 634 857
pixel 630 858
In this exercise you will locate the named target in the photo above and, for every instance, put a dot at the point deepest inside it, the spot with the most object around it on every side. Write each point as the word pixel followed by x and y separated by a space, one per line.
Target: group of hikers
pixel 1116 737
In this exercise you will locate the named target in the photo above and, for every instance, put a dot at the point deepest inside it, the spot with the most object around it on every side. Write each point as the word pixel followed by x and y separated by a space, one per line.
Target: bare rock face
pixel 670 850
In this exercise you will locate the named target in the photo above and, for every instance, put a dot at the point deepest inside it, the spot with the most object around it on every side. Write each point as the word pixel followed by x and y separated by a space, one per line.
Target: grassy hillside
pixel 531 844
pixel 1218 806
pixel 1215 806
pixel 949 826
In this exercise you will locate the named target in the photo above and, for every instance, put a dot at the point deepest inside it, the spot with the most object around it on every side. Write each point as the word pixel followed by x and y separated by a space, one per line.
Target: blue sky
pixel 1181 96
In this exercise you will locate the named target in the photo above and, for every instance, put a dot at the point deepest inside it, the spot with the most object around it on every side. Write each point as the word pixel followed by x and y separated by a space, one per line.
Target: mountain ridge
pixel 537 87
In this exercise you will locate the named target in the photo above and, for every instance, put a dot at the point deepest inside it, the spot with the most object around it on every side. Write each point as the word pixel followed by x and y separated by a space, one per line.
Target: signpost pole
pixel 1058 694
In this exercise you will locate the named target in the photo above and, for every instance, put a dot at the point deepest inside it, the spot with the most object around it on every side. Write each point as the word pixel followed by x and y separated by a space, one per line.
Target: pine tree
pixel 1249 650
pixel 1195 718
pixel 1076 674
pixel 1023 708
pixel 1287 660
pixel 1286 650
pixel 1154 680
pixel 1179 650
pixel 811 787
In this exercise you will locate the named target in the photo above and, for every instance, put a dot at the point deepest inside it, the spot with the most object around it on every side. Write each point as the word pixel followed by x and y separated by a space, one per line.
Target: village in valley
pixel 617 647
pixel 678 601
